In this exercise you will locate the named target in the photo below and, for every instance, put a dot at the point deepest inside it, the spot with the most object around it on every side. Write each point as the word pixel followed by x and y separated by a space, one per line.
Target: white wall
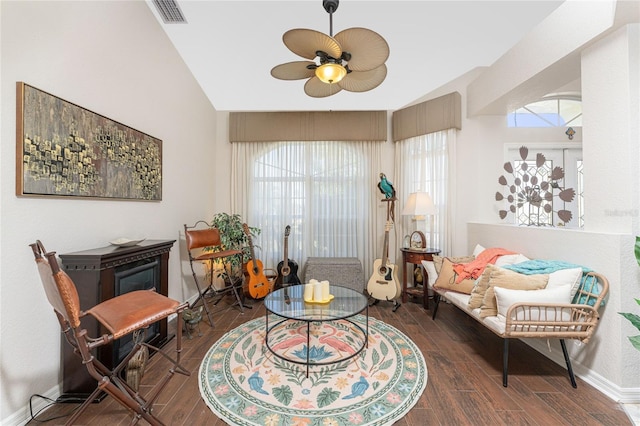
pixel 114 59
pixel 611 91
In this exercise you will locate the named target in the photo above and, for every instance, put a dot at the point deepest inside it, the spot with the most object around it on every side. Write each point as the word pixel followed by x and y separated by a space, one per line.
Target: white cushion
pixel 459 299
pixel 431 271
pixel 571 277
pixel 510 259
pixel 495 323
pixel 506 297
pixel 479 249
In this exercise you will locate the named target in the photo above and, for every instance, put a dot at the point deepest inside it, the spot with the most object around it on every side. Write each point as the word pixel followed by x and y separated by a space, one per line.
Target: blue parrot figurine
pixel 389 192
pixel 358 388
pixel 256 382
pixel 386 187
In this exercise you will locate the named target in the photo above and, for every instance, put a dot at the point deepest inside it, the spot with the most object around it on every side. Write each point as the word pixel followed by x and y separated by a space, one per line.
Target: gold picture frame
pixel 64 150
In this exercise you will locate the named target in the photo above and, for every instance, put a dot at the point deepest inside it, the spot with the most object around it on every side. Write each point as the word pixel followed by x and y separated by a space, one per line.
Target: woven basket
pixel 136 366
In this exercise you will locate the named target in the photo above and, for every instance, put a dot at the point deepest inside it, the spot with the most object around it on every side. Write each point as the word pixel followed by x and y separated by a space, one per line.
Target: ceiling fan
pixel 353 60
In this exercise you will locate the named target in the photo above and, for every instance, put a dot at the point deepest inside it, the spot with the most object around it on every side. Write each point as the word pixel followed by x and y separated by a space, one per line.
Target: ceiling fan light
pixel 330 73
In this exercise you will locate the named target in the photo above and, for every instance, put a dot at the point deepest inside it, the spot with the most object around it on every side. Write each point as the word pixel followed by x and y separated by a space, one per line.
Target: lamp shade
pixel 330 73
pixel 419 204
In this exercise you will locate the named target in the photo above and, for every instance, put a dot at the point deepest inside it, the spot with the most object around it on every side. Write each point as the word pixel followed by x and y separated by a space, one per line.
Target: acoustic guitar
pixel 384 283
pixel 287 268
pixel 258 283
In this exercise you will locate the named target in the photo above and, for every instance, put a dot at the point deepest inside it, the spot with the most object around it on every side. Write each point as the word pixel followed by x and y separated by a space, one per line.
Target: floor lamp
pixel 419 204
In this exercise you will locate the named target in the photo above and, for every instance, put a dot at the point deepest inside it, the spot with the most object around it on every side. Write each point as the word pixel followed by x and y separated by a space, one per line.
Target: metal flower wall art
pixel 534 191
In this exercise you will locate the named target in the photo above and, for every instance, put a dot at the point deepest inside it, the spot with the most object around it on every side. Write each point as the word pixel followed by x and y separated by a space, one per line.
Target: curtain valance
pixel 308 126
pixel 428 117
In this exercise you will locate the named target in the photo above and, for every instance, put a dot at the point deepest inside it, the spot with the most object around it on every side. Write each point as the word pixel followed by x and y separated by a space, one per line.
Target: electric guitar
pixel 384 283
pixel 287 268
pixel 258 283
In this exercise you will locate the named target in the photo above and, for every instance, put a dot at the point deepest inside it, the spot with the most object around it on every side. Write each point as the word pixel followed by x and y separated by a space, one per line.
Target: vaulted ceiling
pixel 231 46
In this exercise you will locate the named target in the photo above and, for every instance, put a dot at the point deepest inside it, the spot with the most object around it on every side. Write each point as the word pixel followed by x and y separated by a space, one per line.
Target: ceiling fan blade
pixel 306 43
pixel 367 48
pixel 315 88
pixel 361 81
pixel 293 70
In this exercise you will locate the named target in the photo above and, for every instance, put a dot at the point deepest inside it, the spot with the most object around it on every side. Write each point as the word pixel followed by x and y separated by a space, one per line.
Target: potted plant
pixel 633 318
pixel 232 237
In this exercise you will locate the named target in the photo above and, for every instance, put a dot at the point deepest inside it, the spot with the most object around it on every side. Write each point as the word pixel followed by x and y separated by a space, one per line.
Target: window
pixel 533 213
pixel 322 190
pixel 425 165
pixel 549 112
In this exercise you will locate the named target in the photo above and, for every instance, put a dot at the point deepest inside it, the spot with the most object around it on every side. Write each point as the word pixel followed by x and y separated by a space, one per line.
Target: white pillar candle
pixel 325 290
pixel 308 291
pixel 317 291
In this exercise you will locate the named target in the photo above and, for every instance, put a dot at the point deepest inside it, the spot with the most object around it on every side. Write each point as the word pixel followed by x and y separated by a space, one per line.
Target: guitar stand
pixel 390 218
pixel 238 292
pixel 396 304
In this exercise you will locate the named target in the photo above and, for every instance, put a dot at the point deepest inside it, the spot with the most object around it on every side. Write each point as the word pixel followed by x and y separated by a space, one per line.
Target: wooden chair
pixel 131 312
pixel 204 246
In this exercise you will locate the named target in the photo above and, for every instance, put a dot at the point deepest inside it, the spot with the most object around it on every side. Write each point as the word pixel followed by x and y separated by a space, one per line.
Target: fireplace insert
pixel 141 275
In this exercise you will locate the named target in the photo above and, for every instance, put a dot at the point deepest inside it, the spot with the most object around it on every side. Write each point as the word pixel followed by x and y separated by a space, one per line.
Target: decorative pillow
pixel 511 259
pixel 508 279
pixel 430 267
pixel 447 279
pixel 571 277
pixel 437 260
pixel 479 249
pixel 506 297
pixel 477 294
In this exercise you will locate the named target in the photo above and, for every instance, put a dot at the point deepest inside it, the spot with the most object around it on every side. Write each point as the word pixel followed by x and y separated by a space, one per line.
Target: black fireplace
pixel 101 274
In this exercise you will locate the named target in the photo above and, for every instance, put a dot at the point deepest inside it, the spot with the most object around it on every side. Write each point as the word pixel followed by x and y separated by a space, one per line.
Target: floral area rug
pixel 245 384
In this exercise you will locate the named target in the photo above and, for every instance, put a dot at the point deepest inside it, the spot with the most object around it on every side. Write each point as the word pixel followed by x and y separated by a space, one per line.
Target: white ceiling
pixel 231 46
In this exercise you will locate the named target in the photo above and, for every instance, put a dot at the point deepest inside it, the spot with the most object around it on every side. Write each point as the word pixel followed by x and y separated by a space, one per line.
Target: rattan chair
pixel 205 247
pixel 131 312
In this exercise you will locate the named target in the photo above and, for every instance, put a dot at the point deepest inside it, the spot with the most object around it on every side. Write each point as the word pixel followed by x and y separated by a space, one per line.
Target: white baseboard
pixel 23 416
pixel 613 391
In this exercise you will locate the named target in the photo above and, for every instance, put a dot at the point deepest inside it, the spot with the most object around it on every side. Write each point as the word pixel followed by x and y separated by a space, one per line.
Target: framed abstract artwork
pixel 65 150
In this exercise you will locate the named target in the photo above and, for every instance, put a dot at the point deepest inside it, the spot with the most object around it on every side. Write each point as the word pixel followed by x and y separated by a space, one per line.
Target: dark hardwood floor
pixel 464 387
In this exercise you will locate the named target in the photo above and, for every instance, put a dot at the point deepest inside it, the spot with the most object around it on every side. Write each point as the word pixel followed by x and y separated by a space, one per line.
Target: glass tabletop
pixel 288 302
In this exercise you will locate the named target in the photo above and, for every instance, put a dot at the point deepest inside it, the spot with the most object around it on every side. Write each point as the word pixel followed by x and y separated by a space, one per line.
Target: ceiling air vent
pixel 170 11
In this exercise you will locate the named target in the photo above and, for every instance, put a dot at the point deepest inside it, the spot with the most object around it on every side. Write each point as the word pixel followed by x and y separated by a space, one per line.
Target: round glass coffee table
pixel 288 305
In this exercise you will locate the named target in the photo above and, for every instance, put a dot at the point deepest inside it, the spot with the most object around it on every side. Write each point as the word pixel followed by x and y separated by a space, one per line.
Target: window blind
pixel 431 116
pixel 308 126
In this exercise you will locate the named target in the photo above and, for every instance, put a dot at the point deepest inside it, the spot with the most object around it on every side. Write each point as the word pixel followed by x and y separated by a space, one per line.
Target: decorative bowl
pixel 126 242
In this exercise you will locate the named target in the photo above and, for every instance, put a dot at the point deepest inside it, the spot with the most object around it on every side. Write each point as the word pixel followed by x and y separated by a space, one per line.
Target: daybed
pixel 514 301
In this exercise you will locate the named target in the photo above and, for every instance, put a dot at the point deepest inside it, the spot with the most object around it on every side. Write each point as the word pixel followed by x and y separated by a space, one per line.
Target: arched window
pixel 322 190
pixel 552 111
